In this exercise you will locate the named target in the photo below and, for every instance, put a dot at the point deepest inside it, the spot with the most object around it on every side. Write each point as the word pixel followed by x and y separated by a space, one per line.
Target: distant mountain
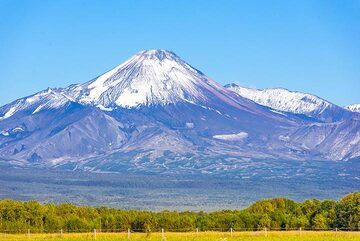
pixel 353 107
pixel 293 102
pixel 156 113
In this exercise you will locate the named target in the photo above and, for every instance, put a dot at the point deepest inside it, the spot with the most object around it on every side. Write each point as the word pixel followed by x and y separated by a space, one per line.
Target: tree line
pixel 277 213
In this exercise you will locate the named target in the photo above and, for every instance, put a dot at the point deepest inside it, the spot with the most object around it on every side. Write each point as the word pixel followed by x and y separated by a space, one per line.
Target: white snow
pixel 50 99
pixel 284 138
pixel 99 86
pixel 9 113
pixel 38 109
pixel 189 125
pixel 18 129
pixel 282 99
pixel 152 77
pixel 232 137
pixel 101 107
pixel 4 133
pixel 353 107
pixel 278 112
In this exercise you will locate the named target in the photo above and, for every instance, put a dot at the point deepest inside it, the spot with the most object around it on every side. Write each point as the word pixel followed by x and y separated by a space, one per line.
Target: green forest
pixel 276 214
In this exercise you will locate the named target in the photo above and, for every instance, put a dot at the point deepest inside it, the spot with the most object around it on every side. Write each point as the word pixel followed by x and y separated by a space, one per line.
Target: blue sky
pixel 311 46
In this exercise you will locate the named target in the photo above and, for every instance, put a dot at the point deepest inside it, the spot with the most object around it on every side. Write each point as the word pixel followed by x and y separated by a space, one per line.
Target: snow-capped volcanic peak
pixel 150 77
pixel 283 99
pixel 353 107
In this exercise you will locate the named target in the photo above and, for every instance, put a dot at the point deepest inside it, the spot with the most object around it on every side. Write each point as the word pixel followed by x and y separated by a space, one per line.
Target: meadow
pixel 184 236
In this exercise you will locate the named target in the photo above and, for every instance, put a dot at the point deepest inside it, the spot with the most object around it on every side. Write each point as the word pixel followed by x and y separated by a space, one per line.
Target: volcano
pixel 156 113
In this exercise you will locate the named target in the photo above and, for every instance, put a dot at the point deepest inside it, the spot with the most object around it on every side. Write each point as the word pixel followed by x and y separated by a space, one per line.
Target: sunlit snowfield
pixel 201 236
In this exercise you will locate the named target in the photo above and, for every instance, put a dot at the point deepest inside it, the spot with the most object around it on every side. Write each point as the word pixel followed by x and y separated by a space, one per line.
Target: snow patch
pixel 4 133
pixel 278 112
pixel 284 138
pixel 101 107
pixel 18 129
pixel 232 137
pixel 9 113
pixel 38 109
pixel 189 125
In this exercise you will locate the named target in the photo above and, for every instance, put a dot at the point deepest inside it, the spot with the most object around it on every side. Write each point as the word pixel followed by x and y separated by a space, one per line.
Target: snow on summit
pixel 150 77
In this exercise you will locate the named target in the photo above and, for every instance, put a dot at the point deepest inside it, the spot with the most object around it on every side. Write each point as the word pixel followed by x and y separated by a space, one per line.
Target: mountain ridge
pixel 156 113
pixel 353 107
pixel 295 102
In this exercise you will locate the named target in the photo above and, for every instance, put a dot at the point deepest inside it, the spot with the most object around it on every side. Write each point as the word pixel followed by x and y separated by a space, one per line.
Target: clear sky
pixel 311 46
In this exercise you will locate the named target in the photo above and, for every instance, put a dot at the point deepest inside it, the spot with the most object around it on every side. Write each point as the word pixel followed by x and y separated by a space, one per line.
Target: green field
pixel 175 236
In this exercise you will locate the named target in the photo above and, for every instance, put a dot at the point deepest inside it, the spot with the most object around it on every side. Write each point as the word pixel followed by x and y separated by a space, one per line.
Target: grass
pixel 202 236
